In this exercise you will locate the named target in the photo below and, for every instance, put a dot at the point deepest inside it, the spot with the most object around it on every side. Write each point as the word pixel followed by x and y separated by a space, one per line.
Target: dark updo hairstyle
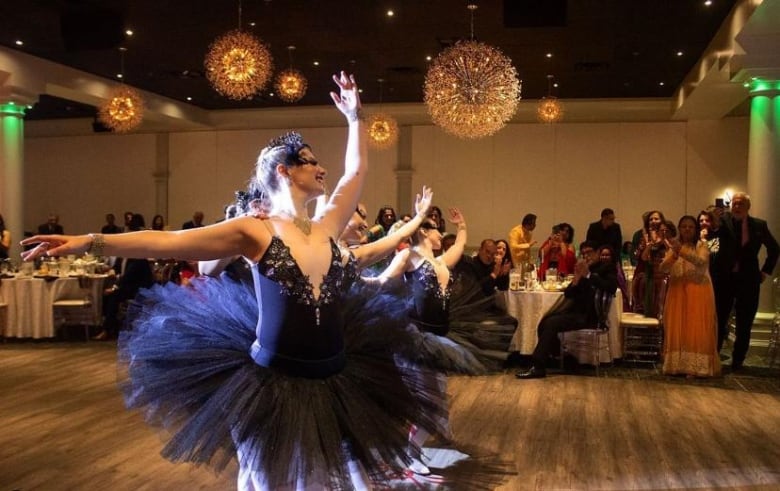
pixel 285 150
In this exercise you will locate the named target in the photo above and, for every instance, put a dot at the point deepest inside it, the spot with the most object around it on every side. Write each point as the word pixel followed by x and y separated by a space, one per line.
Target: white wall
pixel 563 172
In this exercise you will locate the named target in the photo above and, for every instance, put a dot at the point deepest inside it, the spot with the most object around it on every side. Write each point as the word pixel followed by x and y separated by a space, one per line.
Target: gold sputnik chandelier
pixel 550 109
pixel 238 65
pixel 124 109
pixel 290 83
pixel 471 89
pixel 382 128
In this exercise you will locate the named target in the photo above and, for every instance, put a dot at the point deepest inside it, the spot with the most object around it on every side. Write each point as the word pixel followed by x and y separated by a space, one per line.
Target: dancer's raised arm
pixel 344 198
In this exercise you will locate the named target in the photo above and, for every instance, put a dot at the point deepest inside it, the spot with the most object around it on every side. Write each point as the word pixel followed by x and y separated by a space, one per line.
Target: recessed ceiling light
pixel 661 84
pixel 189 98
pixel 360 91
pixel 390 13
pixel 252 24
pixel 129 32
pixel 707 3
pixel 428 58
pixel 555 84
pixel 118 75
pixel 679 53
pixel 316 63
pixel 548 55
pixel 19 42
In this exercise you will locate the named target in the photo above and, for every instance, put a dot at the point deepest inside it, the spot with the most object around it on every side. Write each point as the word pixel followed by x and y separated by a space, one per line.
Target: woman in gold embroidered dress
pixel 690 341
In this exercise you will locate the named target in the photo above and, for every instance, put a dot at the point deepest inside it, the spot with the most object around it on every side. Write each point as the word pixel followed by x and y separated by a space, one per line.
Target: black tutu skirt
pixel 185 364
pixel 477 342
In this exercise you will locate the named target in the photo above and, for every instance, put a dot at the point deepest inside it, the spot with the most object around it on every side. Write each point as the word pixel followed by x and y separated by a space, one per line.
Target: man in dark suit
pixel 51 227
pixel 197 221
pixel 578 309
pixel 745 284
pixel 606 231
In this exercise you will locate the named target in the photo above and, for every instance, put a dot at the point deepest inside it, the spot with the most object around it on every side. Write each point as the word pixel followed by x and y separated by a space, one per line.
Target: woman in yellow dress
pixel 690 341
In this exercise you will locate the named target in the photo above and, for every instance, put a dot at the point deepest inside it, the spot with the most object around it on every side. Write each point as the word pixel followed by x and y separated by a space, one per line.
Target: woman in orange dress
pixel 690 333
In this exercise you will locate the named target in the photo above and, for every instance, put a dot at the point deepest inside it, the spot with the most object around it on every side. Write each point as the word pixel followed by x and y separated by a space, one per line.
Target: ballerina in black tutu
pixel 301 408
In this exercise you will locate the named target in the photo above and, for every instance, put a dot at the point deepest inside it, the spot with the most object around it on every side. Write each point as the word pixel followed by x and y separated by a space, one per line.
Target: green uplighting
pixel 758 85
pixel 11 108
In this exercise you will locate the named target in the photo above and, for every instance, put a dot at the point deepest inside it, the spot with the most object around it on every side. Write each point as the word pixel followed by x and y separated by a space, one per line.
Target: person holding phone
pixel 648 277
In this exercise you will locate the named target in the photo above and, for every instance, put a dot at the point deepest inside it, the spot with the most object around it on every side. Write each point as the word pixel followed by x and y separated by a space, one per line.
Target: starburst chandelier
pixel 471 89
pixel 382 128
pixel 238 65
pixel 550 109
pixel 124 109
pixel 290 83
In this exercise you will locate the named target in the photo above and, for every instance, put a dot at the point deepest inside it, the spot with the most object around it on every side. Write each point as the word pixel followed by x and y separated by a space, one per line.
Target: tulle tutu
pixel 185 363
pixel 478 339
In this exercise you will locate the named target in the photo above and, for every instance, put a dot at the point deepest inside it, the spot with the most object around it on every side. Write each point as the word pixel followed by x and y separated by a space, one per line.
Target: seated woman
pixel 503 257
pixel 556 254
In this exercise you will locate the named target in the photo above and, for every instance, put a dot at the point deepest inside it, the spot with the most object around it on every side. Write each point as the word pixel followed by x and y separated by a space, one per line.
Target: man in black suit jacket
pixel 745 286
pixel 606 231
pixel 196 222
pixel 51 227
pixel 578 309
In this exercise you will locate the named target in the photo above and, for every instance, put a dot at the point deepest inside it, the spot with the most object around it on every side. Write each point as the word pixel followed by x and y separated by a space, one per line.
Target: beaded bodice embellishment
pixel 425 275
pixel 279 266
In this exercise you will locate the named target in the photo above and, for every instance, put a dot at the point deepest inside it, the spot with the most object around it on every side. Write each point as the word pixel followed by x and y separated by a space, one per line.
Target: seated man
pixel 578 308
pixel 483 268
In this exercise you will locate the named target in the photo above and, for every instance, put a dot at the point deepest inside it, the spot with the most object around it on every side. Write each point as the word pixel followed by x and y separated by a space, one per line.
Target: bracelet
pixel 97 244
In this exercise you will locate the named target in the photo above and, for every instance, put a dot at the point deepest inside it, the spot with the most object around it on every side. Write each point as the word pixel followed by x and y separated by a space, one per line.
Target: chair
pixel 591 338
pixel 75 312
pixel 643 337
pixel 774 336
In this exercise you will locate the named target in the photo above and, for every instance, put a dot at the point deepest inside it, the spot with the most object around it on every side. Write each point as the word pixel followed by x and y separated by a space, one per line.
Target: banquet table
pixel 30 298
pixel 529 307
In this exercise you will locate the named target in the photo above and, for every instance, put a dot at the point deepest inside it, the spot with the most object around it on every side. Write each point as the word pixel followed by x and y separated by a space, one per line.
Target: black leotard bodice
pixel 296 332
pixel 430 307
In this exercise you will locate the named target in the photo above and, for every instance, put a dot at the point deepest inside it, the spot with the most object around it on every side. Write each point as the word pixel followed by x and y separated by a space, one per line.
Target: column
pixel 12 172
pixel 403 171
pixel 763 174
pixel 161 174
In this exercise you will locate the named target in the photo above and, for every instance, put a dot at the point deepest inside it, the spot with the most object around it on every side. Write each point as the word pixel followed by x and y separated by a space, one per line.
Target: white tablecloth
pixel 30 313
pixel 529 307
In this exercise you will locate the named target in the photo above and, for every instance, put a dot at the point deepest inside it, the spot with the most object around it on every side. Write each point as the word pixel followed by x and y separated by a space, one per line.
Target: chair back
pixel 603 301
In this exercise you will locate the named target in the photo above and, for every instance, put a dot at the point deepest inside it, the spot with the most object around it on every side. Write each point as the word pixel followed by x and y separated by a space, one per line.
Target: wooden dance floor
pixel 63 427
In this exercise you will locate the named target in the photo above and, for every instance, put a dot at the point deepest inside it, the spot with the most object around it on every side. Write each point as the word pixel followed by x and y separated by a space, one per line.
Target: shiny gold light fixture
pixel 238 65
pixel 382 128
pixel 471 89
pixel 124 109
pixel 550 109
pixel 290 83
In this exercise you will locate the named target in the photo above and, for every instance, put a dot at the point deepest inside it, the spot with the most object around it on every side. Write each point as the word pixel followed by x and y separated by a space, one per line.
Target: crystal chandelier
pixel 290 83
pixel 382 128
pixel 471 89
pixel 124 109
pixel 238 65
pixel 550 109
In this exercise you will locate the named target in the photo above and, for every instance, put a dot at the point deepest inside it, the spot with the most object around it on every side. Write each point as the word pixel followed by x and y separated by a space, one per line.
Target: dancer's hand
pixel 348 98
pixel 55 245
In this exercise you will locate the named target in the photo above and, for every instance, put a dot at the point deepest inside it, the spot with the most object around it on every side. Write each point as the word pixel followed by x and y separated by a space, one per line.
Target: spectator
pixel 52 226
pixel 196 222
pixel 111 227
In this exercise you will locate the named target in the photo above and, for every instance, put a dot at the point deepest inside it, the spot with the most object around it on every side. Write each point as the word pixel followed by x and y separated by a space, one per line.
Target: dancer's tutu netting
pixel 185 363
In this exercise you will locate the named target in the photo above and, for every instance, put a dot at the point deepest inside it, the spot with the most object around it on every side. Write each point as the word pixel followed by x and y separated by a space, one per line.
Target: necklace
pixel 302 224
